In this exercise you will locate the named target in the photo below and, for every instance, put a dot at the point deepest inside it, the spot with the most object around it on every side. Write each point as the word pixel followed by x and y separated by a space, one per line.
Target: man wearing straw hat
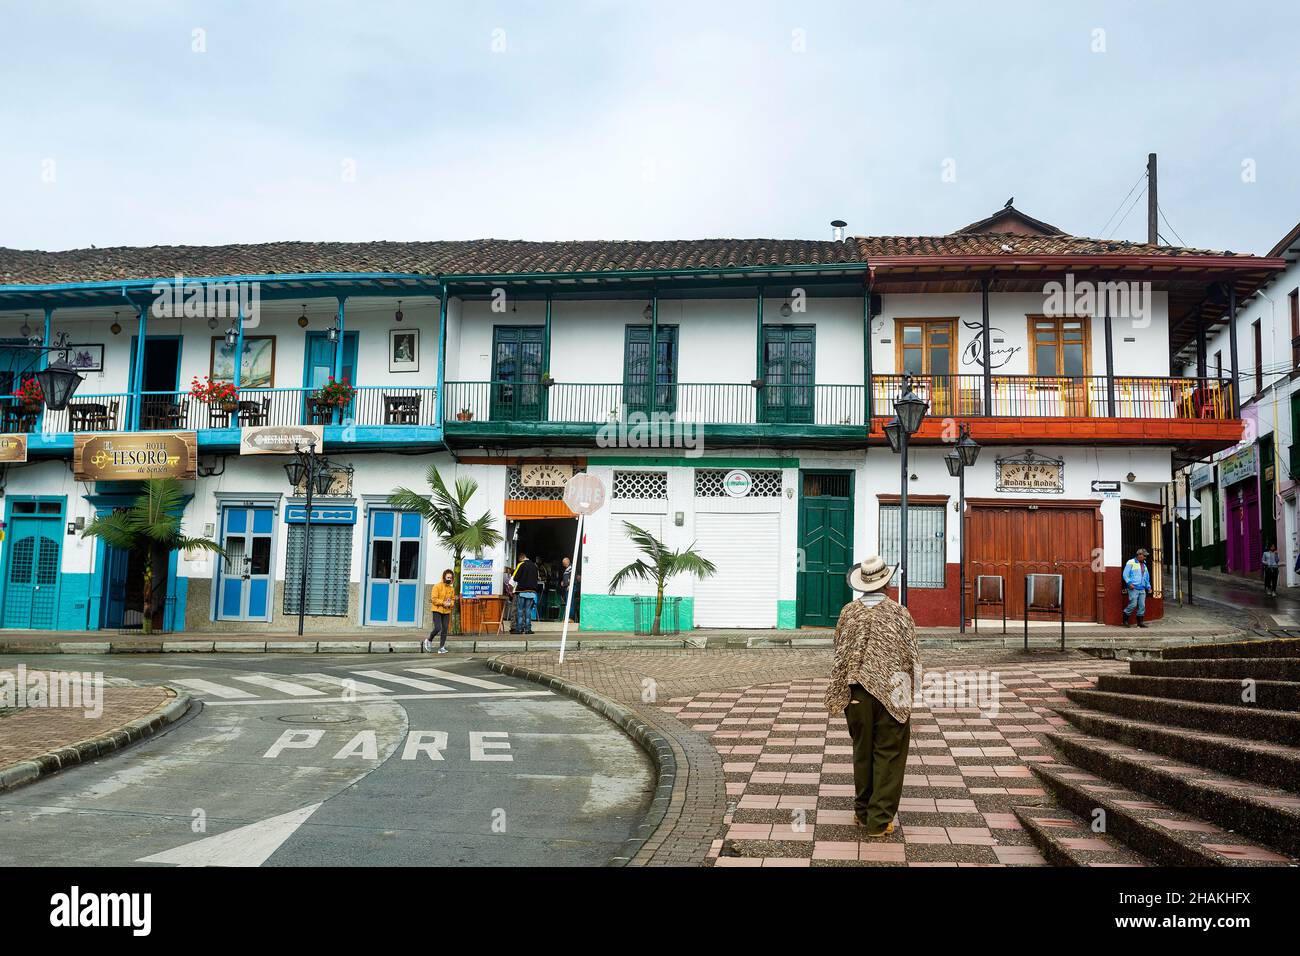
pixel 877 665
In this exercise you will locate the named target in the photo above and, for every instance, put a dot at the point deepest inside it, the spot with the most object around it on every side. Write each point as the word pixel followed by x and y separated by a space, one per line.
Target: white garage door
pixel 746 550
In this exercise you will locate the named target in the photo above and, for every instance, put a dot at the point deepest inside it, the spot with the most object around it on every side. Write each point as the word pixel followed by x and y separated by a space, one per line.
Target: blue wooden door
pixel 32 573
pixel 244 580
pixel 393 568
pixel 319 363
pixel 116 564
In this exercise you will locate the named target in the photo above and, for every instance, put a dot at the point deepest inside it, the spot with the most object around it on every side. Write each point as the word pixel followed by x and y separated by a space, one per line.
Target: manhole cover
pixel 314 719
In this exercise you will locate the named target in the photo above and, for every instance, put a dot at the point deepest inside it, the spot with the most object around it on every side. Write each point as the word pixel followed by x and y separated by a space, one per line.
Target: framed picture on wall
pixel 403 350
pixel 256 366
pixel 84 358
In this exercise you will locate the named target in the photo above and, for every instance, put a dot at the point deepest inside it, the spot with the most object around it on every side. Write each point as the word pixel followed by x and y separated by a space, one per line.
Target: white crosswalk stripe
pixel 405 681
pixel 459 678
pixel 211 687
pixel 346 683
pixel 274 683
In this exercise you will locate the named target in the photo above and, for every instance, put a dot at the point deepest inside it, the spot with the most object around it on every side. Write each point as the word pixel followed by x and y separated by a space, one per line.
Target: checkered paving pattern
pixel 789 773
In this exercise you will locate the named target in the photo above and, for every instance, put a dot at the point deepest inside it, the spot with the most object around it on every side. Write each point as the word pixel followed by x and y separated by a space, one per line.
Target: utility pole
pixel 1153 232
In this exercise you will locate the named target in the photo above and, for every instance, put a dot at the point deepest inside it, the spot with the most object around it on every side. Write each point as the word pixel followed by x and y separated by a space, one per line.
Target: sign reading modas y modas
pixel 13 448
pixel 135 456
pixel 280 439
pixel 1030 473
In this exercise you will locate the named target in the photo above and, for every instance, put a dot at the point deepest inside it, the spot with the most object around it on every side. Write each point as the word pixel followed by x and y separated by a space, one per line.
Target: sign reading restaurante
pixel 135 456
pixel 280 439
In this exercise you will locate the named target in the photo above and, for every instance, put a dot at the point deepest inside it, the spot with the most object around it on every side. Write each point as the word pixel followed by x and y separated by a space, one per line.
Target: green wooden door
pixel 789 360
pixel 826 546
pixel 636 369
pixel 517 355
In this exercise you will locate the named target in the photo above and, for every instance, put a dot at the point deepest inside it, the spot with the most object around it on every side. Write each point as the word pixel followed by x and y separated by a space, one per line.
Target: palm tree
pixel 659 565
pixel 445 514
pixel 151 526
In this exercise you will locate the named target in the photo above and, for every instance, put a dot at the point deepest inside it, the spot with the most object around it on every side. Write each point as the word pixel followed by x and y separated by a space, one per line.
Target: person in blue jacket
pixel 1137 581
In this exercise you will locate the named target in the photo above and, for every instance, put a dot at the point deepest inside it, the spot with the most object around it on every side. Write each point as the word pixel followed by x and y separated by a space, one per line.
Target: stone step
pixel 1272 764
pixel 1161 834
pixel 1239 723
pixel 1066 840
pixel 1267 814
pixel 1269 694
pixel 1278 647
pixel 1229 668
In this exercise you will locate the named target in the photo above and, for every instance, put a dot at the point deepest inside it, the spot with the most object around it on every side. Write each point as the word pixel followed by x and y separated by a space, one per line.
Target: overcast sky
pixel 122 125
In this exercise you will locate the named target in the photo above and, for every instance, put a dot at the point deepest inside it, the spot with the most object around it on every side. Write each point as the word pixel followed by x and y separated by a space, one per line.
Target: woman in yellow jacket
pixel 440 601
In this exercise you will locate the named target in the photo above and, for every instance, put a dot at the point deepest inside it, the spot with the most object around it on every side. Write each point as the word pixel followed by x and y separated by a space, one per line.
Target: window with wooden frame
pixel 925 346
pixel 1060 346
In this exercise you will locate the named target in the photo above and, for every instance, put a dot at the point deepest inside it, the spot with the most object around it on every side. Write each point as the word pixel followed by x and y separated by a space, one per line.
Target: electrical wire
pixel 1102 230
pixel 1169 224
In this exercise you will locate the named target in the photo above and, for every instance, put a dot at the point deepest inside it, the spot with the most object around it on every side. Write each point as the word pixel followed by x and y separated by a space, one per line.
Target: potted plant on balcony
pixel 29 395
pixel 546 380
pixel 337 394
pixel 223 395
pixel 464 415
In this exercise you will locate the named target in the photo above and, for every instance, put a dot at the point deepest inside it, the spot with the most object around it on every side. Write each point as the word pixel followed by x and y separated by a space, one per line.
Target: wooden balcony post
pixel 1110 358
pixel 137 377
pixel 239 349
pixel 987 347
pixel 866 356
pixel 1232 347
pixel 338 353
pixel 438 399
pixel 654 352
pixel 1202 362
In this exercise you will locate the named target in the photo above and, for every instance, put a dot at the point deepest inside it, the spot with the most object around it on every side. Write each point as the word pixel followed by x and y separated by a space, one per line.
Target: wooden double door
pixel 1014 539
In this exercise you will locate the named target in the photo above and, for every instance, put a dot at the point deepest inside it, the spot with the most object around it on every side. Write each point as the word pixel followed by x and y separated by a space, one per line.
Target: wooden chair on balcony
pixel 318 412
pixel 19 419
pixel 165 414
pixel 253 411
pixel 92 416
pixel 401 409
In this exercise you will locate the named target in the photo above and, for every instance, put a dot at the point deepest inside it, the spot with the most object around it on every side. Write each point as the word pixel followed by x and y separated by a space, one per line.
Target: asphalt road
pixel 309 760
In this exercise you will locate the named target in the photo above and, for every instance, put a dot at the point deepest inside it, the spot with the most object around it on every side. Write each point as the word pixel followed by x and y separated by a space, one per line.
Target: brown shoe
pixel 859 821
pixel 882 833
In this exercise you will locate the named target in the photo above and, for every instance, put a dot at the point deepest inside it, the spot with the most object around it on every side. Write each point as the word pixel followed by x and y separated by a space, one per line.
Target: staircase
pixel 1169 766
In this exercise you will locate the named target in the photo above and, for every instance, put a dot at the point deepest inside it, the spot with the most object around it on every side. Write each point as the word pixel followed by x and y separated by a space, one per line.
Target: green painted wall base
pixel 785 615
pixel 613 612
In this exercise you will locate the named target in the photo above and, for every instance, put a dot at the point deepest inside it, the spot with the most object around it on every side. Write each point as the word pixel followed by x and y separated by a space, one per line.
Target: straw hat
pixel 871 575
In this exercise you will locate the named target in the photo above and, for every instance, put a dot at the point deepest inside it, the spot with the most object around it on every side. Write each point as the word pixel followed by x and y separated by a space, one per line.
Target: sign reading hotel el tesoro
pixel 135 456
pixel 13 448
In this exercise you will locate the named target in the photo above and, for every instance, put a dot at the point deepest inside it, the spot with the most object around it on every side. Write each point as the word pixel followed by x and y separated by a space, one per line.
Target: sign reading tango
pixel 13 448
pixel 1031 473
pixel 135 456
pixel 280 439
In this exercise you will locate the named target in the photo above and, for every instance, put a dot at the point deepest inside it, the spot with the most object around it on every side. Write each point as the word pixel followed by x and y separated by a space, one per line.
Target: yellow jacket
pixel 441 598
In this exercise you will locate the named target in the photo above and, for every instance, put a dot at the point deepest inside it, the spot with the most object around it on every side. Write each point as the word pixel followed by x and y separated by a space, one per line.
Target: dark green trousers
pixel 879 758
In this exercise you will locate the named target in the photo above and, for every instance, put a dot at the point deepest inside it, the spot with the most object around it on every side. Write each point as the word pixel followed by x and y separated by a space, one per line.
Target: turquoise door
pixel 319 364
pixel 32 573
pixel 244 579
pixel 393 568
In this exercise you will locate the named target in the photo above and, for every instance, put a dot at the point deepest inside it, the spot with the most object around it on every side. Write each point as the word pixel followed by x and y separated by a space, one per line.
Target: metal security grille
pixel 765 484
pixel 816 485
pixel 329 572
pixel 641 484
pixel 925 543
pixel 516 491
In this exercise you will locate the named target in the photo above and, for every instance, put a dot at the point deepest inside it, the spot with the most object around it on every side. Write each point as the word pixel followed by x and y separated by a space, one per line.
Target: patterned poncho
pixel 872 646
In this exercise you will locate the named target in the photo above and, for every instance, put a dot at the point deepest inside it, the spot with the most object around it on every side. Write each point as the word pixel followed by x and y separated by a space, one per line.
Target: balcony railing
pixel 705 404
pixel 180 411
pixel 1050 396
pixel 1013 396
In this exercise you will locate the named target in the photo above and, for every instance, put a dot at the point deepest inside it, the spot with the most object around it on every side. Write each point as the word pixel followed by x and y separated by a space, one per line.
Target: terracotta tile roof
pixel 477 257
pixel 1013 244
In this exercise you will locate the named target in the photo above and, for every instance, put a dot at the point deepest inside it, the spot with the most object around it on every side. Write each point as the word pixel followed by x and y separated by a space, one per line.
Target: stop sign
pixel 584 494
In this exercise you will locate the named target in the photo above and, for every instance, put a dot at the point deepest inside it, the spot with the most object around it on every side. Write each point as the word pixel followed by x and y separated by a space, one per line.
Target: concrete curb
pixel 1012 640
pixel 42 765
pixel 654 743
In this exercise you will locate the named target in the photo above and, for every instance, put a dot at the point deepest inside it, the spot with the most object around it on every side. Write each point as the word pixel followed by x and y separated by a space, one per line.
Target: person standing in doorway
pixel 1270 561
pixel 441 598
pixel 526 584
pixel 1137 581
pixel 569 575
pixel 876 667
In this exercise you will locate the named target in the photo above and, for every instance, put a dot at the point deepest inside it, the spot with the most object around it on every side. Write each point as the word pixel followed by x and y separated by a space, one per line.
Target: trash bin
pixel 643 616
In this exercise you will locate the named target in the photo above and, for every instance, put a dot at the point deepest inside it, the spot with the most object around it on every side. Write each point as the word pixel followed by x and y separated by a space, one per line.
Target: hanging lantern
pixel 324 481
pixel 302 319
pixel 295 470
pixel 397 316
pixel 116 327
pixel 232 337
pixel 58 383
pixel 333 333
pixel 26 330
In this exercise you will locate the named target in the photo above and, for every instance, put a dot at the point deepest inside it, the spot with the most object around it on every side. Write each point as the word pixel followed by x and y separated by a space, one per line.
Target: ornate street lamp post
pixel 315 473
pixel 958 460
pixel 909 410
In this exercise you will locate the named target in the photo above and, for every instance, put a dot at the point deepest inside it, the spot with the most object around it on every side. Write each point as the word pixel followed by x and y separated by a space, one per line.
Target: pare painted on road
pixel 482 745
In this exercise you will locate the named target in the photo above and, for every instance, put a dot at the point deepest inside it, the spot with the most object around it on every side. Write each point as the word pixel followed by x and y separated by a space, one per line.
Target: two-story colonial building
pixel 730 393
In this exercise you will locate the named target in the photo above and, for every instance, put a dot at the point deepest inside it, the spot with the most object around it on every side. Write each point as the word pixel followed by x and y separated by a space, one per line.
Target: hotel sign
pixel 135 456
pixel 13 448
pixel 1031 473
pixel 279 439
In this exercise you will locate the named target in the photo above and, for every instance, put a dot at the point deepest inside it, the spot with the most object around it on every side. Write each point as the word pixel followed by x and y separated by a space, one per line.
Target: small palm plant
pixel 658 565
pixel 446 515
pixel 151 526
